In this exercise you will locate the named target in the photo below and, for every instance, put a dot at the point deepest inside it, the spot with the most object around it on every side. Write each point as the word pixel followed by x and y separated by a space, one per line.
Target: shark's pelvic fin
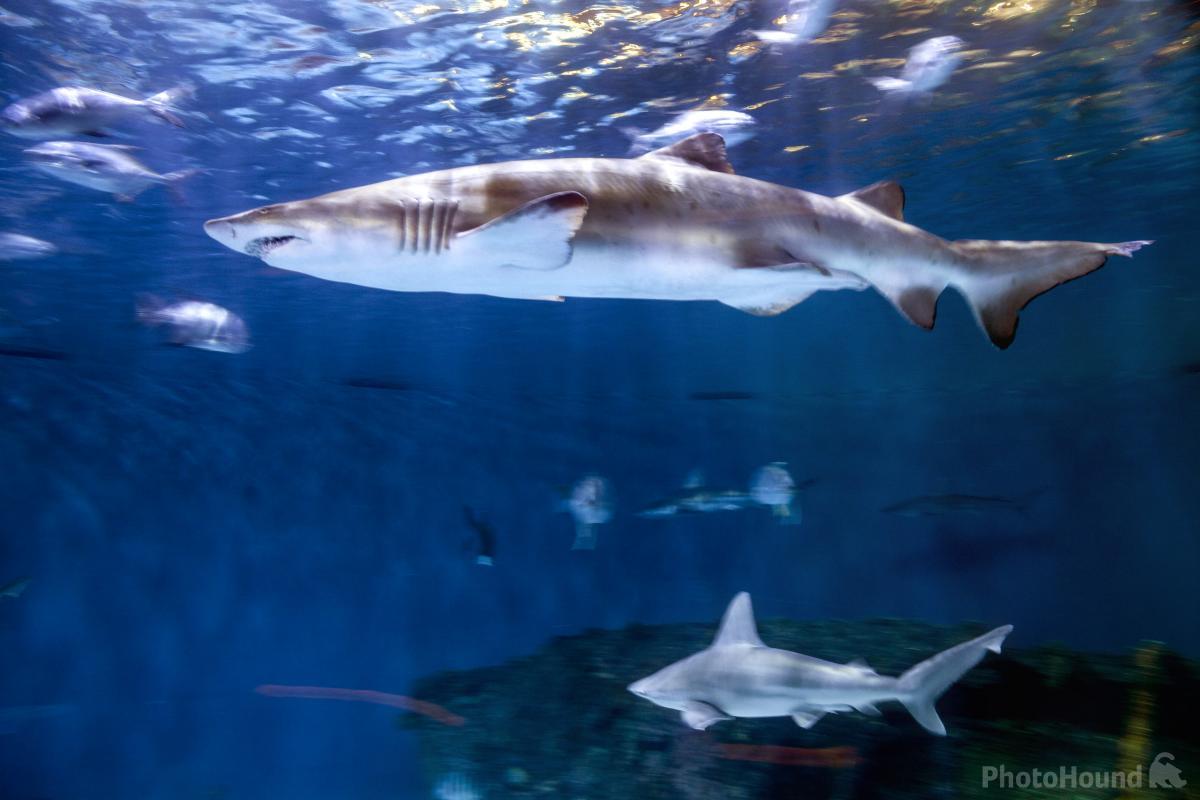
pixel 700 715
pixel 806 719
pixel 705 150
pixel 886 197
pixel 922 685
pixel 737 626
pixel 538 235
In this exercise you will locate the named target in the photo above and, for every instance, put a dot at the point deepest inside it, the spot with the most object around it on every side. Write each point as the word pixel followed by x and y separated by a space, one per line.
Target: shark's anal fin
pixel 737 626
pixel 705 150
pixel 807 718
pixel 770 308
pixel 538 235
pixel 886 197
pixel 698 715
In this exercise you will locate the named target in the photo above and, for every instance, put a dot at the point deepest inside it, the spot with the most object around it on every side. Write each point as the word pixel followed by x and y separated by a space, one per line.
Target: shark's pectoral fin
pixel 754 254
pixel 807 718
pixel 698 715
pixel 867 708
pixel 538 235
pixel 705 150
pixel 886 197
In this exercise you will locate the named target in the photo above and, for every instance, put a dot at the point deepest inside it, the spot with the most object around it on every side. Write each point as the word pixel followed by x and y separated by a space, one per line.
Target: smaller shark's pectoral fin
pixel 698 715
pixel 806 719
pixel 538 235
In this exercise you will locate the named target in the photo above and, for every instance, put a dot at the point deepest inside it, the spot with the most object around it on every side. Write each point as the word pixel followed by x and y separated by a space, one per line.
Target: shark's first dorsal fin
pixel 705 150
pixel 737 626
pixel 886 197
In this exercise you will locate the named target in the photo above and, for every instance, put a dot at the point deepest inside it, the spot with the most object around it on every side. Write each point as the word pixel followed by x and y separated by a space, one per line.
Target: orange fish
pixel 431 710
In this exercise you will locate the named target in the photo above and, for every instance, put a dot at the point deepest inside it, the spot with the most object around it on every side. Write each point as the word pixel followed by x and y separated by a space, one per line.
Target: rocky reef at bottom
pixel 559 723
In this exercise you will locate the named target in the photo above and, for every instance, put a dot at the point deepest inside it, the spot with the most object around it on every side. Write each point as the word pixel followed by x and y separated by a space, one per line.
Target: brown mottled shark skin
pixel 674 224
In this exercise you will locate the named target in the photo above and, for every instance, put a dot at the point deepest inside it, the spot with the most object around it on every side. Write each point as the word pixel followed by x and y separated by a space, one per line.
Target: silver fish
pixel 590 503
pixel 929 65
pixel 104 167
pixel 674 224
pixel 73 110
pixel 191 323
pixel 696 498
pixel 936 505
pixel 739 676
pixel 805 21
pixel 19 247
pixel 734 127
pixel 15 588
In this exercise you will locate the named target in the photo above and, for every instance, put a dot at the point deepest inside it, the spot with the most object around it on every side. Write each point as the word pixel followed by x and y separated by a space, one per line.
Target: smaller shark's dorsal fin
pixel 886 197
pixel 705 150
pixel 737 626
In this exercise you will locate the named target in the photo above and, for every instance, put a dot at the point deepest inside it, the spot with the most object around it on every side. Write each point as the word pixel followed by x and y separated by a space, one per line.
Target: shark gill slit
pixel 435 227
pixel 424 217
pixel 410 225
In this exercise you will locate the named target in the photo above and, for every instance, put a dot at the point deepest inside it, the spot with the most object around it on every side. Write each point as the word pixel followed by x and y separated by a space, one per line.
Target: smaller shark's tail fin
pixel 922 685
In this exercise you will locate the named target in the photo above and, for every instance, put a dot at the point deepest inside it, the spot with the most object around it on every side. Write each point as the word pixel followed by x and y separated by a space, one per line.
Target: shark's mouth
pixel 260 247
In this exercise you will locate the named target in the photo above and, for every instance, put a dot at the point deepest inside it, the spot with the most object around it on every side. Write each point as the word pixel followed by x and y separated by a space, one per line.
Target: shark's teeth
pixel 264 244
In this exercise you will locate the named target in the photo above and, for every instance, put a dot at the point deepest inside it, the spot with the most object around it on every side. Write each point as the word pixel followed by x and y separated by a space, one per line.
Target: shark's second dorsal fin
pixel 705 150
pixel 886 197
pixel 737 626
pixel 860 664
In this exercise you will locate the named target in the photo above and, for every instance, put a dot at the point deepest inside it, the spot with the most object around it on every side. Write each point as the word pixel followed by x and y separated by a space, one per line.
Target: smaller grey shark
pixel 739 676
pixel 696 498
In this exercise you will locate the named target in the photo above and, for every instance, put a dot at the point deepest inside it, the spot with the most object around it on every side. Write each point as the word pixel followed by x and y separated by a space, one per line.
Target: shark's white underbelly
pixel 593 271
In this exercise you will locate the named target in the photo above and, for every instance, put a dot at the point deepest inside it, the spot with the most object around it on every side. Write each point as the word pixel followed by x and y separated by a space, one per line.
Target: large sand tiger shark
pixel 674 224
pixel 739 676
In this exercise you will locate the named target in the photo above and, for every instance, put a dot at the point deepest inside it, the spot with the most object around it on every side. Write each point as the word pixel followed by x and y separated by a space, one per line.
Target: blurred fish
pixel 739 676
pixel 590 503
pixel 14 589
pixel 70 110
pixel 774 487
pixel 696 498
pixel 486 553
pixel 734 127
pixel 929 65
pixel 104 167
pixel 455 786
pixel 727 395
pixel 674 224
pixel 936 505
pixel 806 20
pixel 425 708
pixel 18 247
pixel 37 353
pixel 191 323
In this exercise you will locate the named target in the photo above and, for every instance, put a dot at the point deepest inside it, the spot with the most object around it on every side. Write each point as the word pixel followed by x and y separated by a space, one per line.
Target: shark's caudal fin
pixel 922 685
pixel 1003 277
pixel 998 279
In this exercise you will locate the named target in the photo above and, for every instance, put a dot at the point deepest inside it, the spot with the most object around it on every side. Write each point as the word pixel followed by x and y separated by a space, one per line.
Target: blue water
pixel 196 524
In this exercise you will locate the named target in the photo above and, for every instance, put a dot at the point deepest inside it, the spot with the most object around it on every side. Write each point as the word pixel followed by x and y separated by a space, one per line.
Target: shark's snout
pixel 638 688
